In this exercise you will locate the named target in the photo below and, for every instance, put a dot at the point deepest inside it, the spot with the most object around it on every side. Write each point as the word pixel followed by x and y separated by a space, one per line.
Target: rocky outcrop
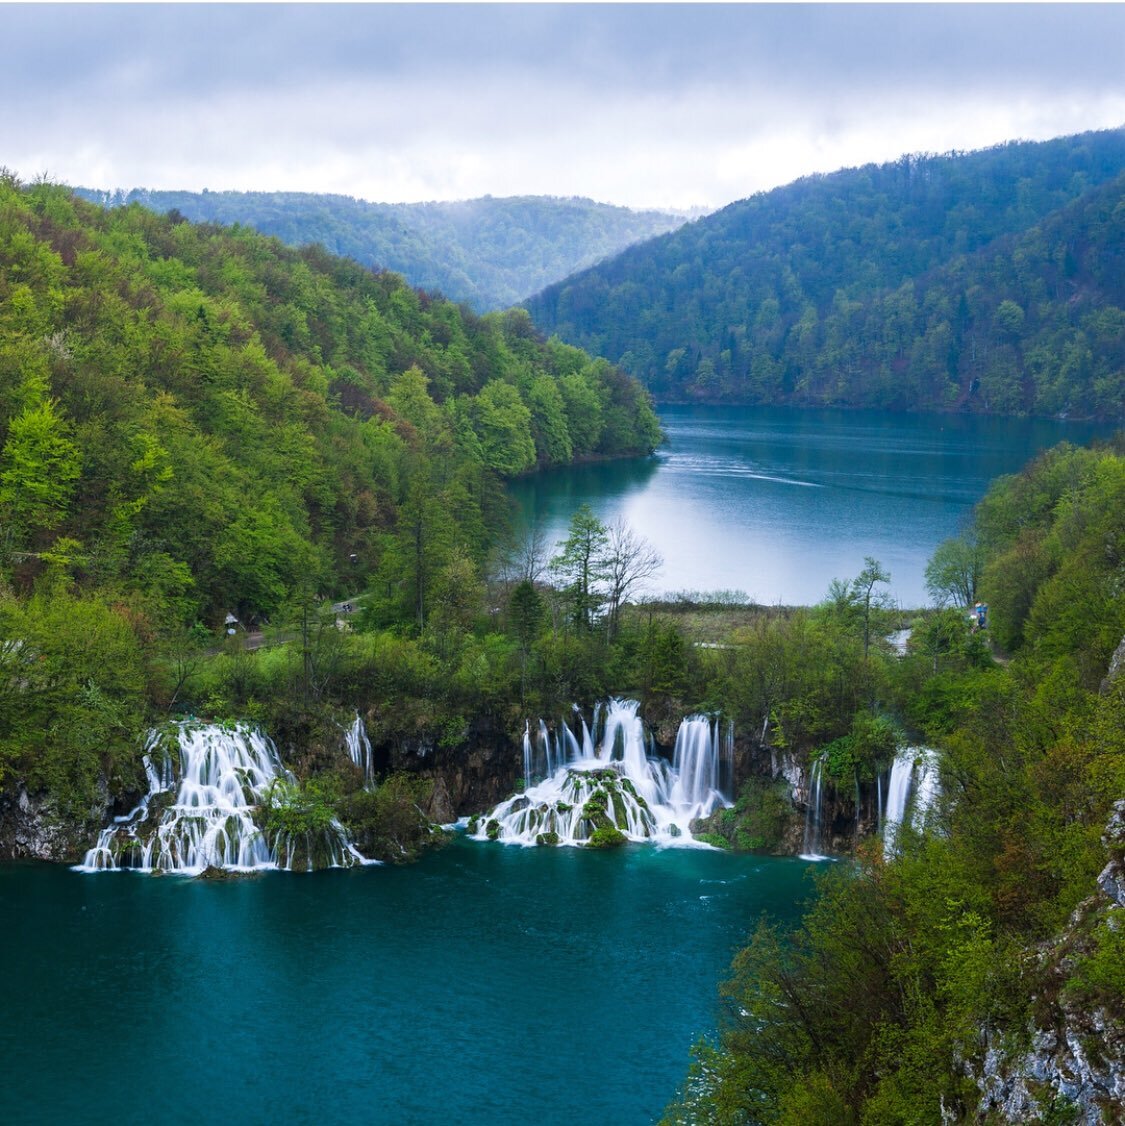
pixel 1075 1058
pixel 469 774
pixel 33 828
pixel 1116 665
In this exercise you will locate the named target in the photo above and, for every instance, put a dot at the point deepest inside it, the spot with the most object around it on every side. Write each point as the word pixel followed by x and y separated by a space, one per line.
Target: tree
pixel 38 469
pixel 630 560
pixel 863 587
pixel 954 571
pixel 580 565
pixel 504 426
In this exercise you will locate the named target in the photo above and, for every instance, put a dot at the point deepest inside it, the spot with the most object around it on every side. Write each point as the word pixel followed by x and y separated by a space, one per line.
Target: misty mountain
pixel 487 253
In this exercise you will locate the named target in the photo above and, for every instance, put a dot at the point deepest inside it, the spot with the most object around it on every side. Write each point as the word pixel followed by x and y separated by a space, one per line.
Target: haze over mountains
pixel 487 253
pixel 988 281
pixel 992 280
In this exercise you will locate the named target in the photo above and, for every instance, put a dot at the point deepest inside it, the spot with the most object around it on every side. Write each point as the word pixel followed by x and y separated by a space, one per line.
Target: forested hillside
pixel 487 253
pixel 197 421
pixel 924 978
pixel 200 419
pixel 988 280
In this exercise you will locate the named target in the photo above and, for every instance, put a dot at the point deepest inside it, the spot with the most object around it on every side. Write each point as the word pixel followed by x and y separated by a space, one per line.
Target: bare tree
pixel 524 560
pixel 630 561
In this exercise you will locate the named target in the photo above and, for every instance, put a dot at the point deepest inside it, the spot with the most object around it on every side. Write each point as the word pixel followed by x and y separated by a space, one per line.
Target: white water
pixel 640 795
pixel 359 750
pixel 223 775
pixel 810 847
pixel 914 774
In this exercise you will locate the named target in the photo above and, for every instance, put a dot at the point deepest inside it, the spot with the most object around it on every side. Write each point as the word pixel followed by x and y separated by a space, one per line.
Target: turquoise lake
pixel 777 503
pixel 486 984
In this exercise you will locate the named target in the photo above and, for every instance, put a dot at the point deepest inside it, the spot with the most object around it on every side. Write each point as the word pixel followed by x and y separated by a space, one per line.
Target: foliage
pixel 292 810
pixel 487 253
pixel 387 823
pixel 211 420
pixel 73 689
pixel 606 837
pixel 875 1010
pixel 756 822
pixel 197 422
pixel 978 281
pixel 953 574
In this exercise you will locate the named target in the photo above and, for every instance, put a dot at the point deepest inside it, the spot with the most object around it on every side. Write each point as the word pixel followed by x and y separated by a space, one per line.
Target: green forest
pixel 882 1006
pixel 986 281
pixel 200 426
pixel 198 422
pixel 487 253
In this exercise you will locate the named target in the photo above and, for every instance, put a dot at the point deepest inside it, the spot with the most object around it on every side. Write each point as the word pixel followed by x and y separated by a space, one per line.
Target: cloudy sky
pixel 643 105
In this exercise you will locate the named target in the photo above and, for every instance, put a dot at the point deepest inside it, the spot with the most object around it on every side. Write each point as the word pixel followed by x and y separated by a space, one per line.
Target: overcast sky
pixel 643 105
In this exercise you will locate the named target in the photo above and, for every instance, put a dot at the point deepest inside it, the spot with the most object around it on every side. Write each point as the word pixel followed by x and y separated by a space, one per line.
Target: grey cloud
pixel 199 49
pixel 421 101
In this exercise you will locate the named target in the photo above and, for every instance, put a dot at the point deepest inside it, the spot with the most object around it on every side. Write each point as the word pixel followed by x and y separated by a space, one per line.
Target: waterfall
pixel 914 773
pixel 615 783
pixel 811 844
pixel 199 812
pixel 695 763
pixel 359 750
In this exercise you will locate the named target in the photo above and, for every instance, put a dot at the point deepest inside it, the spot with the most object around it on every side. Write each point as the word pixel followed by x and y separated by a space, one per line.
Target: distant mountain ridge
pixel 488 253
pixel 989 280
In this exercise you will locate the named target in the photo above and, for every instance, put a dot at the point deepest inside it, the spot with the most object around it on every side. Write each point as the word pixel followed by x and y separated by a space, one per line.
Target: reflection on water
pixel 779 502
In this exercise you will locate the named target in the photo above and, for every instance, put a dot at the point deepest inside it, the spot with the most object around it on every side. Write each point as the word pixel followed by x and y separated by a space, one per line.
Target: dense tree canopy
pixel 880 1008
pixel 210 420
pixel 985 281
pixel 488 253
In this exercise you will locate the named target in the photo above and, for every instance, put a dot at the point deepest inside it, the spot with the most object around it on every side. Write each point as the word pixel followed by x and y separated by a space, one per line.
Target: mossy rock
pixel 492 830
pixel 595 807
pixel 674 831
pixel 563 806
pixel 714 840
pixel 607 837
pixel 474 824
pixel 551 838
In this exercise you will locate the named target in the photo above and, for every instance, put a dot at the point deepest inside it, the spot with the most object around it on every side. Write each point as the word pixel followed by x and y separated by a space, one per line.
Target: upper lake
pixel 778 502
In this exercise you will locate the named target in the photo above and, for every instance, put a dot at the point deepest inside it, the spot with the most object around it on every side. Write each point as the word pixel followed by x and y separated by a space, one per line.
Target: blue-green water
pixel 778 502
pixel 485 984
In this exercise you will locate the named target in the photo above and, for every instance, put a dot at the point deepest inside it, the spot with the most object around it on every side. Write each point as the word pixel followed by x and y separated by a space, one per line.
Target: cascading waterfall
pixel 613 783
pixel 810 847
pixel 206 819
pixel 527 754
pixel 359 750
pixel 914 773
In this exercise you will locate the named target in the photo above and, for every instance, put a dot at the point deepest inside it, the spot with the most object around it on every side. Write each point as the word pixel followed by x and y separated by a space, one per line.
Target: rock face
pixel 31 827
pixel 1116 664
pixel 1076 1058
pixel 472 775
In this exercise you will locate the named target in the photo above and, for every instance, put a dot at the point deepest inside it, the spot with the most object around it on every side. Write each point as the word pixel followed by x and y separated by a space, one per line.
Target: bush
pixel 607 838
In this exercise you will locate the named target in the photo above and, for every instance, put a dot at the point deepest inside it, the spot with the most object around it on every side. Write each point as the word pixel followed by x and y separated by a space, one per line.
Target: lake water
pixel 485 984
pixel 778 502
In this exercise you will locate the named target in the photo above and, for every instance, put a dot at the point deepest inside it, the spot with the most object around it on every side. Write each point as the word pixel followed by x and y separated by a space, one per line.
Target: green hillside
pixel 487 253
pixel 988 280
pixel 916 973
pixel 201 420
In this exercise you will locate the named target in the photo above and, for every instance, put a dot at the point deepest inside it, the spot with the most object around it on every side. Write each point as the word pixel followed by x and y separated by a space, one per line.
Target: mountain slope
pixel 488 253
pixel 809 294
pixel 200 420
